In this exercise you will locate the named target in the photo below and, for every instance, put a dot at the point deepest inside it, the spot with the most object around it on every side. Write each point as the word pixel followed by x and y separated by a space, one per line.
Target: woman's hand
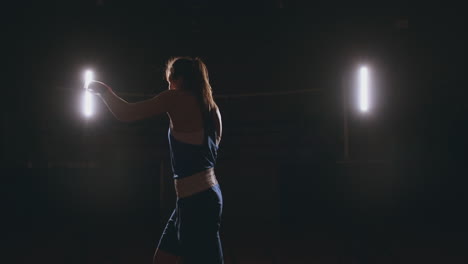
pixel 98 88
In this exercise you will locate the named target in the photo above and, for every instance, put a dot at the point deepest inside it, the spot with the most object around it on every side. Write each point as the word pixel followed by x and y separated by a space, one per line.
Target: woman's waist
pixel 195 183
pixel 190 164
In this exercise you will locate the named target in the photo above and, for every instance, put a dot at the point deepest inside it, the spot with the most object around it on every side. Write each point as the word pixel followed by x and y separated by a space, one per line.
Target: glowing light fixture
pixel 89 76
pixel 88 104
pixel 364 89
pixel 88 100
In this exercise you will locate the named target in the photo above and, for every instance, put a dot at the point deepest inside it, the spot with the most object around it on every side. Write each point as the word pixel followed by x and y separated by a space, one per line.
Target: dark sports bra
pixel 188 159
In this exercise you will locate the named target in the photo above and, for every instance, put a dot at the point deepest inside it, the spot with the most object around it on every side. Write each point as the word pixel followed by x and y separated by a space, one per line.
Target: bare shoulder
pixel 167 97
pixel 178 102
pixel 173 94
pixel 167 94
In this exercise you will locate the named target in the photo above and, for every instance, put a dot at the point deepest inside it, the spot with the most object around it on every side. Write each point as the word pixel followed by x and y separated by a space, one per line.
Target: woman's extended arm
pixel 127 112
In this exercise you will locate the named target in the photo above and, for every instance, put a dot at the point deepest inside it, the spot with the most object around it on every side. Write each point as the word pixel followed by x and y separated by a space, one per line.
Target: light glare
pixel 88 97
pixel 364 89
pixel 88 78
pixel 87 104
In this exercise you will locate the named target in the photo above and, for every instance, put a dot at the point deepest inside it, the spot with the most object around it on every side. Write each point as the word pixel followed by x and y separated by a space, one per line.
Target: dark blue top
pixel 188 159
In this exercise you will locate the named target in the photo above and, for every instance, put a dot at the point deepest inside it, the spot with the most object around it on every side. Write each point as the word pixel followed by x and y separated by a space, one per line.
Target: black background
pixel 77 190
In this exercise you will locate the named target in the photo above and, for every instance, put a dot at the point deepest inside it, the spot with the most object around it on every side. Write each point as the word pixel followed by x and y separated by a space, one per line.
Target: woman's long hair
pixel 195 79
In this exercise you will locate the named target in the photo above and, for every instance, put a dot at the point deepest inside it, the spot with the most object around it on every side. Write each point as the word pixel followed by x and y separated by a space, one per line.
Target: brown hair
pixel 195 79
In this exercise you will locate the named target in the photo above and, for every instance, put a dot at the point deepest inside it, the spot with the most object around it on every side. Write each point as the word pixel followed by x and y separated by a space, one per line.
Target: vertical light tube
pixel 88 97
pixel 364 89
pixel 89 76
pixel 88 104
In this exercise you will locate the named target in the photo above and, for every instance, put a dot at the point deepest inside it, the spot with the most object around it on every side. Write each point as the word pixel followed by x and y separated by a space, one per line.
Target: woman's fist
pixel 98 88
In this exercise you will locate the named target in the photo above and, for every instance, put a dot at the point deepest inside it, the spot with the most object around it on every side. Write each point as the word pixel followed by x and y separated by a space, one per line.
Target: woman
pixel 192 232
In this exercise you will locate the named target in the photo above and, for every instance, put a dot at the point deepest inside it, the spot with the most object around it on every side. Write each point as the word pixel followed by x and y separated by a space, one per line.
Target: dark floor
pixel 254 248
pixel 366 215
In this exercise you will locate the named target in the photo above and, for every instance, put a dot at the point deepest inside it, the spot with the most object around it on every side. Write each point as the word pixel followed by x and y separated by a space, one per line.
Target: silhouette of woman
pixel 192 232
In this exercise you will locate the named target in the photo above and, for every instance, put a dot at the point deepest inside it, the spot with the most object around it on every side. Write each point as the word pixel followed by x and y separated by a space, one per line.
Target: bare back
pixel 186 116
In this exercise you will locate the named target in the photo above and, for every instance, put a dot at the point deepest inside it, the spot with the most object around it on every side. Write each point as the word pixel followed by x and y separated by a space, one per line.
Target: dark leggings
pixel 192 231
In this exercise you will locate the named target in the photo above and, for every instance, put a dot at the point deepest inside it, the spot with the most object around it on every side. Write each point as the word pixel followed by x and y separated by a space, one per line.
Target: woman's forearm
pixel 118 106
